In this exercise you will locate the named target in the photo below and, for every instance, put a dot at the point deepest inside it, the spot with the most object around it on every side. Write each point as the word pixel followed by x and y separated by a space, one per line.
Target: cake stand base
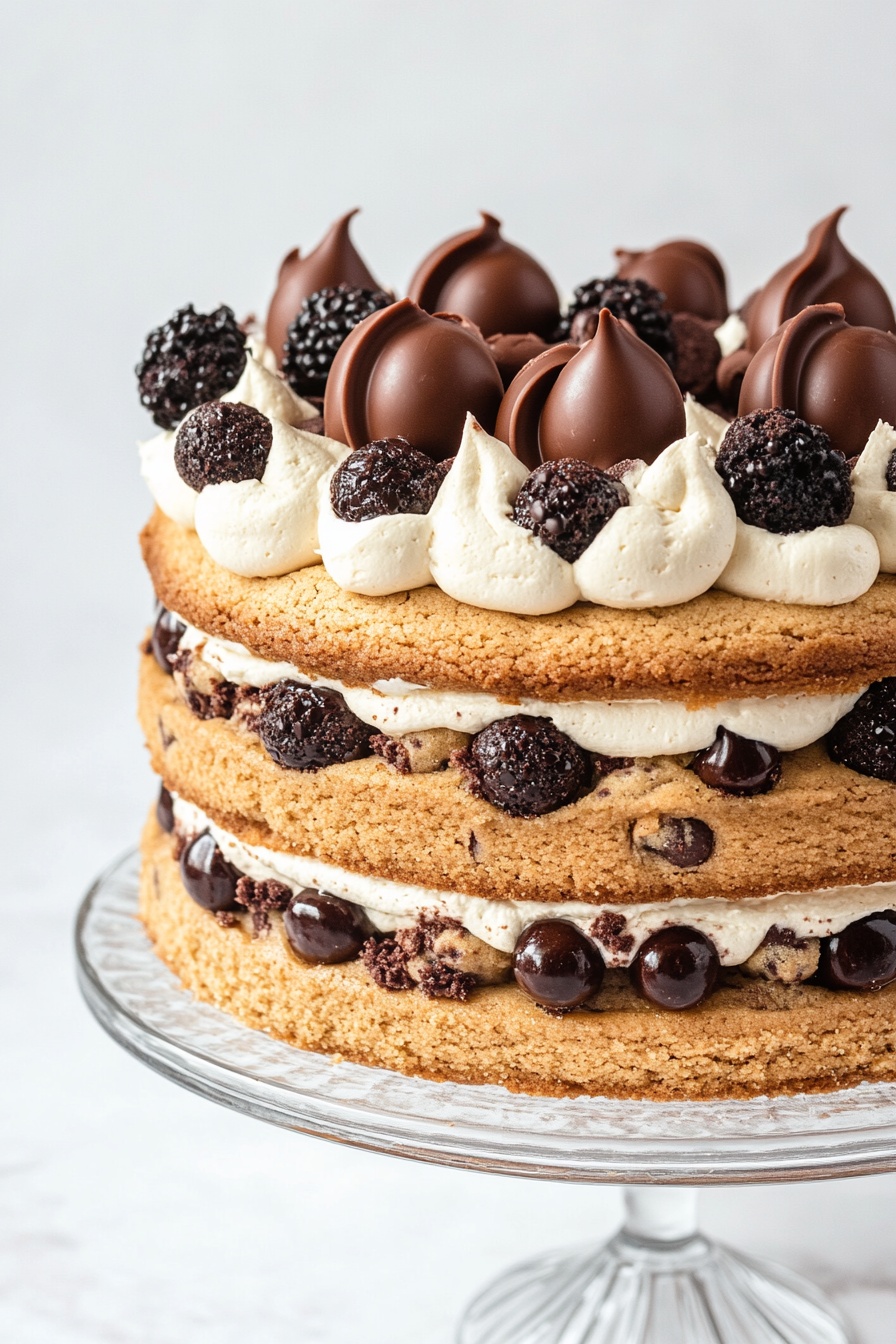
pixel 657 1282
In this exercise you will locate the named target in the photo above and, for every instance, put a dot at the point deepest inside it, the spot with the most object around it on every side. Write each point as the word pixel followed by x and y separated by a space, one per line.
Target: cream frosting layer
pixel 611 727
pixel 735 927
pixel 874 506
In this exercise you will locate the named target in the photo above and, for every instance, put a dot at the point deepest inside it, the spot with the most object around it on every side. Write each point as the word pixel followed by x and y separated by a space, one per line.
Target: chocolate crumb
pixel 386 964
pixel 440 981
pixel 778 936
pixel 610 929
pixel 416 940
pixel 474 847
pixel 260 898
pixel 226 918
pixel 393 752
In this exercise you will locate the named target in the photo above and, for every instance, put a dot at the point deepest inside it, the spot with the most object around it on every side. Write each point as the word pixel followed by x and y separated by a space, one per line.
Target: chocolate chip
pixel 165 639
pixel 676 968
pixel 863 955
pixel 223 441
pixel 525 766
pixel 566 503
pixel 324 928
pixel 165 810
pixel 206 874
pixel 306 728
pixel 738 765
pixel 387 476
pixel 685 842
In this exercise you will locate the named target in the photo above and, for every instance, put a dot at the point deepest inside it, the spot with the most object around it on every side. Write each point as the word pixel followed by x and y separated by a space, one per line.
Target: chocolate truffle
pixel 689 274
pixel 335 261
pixel 404 374
pixel 610 399
pixel 824 272
pixel 840 377
pixel 495 283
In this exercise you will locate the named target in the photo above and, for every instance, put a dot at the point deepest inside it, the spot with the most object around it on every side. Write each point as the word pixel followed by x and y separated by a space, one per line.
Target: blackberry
pixel 386 476
pixel 891 471
pixel 566 503
pixel 316 333
pixel 865 738
pixel 222 441
pixel 632 300
pixel 783 474
pixel 304 728
pixel 194 357
pixel 525 766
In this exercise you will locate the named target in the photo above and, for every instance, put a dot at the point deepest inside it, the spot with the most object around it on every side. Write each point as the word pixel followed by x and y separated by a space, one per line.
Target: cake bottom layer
pixel 750 1039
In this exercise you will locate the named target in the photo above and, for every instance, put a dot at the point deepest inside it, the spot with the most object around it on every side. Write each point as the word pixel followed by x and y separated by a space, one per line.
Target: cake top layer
pixel 523 456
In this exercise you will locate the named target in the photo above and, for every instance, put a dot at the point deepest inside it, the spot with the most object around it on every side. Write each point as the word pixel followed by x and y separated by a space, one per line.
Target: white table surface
pixel 157 153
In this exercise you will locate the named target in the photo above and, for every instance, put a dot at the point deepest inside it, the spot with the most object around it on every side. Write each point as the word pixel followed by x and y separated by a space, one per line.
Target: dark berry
pixel 165 810
pixel 891 471
pixel 566 502
pixel 321 325
pixel 865 738
pixel 386 476
pixel 632 300
pixel 525 766
pixel 863 955
pixel 782 473
pixel 556 964
pixel 738 765
pixel 165 639
pixel 325 929
pixel 223 441
pixel 207 875
pixel 304 728
pixel 696 353
pixel 685 842
pixel 676 968
pixel 194 357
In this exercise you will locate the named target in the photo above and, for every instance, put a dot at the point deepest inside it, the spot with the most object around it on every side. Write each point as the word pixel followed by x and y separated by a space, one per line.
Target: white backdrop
pixel 155 154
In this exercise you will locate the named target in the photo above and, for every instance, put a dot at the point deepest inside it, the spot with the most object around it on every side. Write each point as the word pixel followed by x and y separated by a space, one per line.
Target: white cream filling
pixel 874 506
pixel 735 927
pixel 611 727
pixel 821 568
pixel 732 334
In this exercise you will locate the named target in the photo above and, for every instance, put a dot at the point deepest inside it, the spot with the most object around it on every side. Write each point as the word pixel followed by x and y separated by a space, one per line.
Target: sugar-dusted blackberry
pixel 633 300
pixel 321 325
pixel 386 476
pixel 222 441
pixel 525 766
pixel 307 728
pixel 783 474
pixel 891 471
pixel 566 502
pixel 194 357
pixel 865 738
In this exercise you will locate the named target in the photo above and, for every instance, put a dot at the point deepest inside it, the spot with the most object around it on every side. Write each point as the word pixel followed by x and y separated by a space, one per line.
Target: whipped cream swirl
pixel 874 506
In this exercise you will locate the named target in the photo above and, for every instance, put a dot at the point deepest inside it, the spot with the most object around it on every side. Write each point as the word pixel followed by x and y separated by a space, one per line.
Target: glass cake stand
pixel 658 1281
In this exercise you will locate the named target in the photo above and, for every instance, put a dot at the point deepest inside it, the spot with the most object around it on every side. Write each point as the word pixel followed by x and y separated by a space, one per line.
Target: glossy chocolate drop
pixel 165 810
pixel 404 374
pixel 556 964
pixel 840 377
pixel 689 274
pixel 494 283
pixel 610 399
pixel 824 272
pixel 738 765
pixel 165 639
pixel 863 955
pixel 207 875
pixel 324 928
pixel 335 261
pixel 676 968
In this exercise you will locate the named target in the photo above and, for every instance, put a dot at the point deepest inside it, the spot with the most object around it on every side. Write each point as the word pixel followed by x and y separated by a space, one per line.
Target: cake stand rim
pixel 469 1143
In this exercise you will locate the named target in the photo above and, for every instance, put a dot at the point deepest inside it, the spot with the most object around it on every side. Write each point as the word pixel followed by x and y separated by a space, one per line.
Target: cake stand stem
pixel 658 1281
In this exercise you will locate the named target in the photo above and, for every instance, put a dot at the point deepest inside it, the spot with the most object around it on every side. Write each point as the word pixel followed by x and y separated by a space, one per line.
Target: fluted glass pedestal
pixel 658 1281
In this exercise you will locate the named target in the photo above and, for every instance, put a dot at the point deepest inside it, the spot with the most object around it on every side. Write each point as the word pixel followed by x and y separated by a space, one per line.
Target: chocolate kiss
pixel 834 375
pixel 334 261
pixel 612 398
pixel 688 273
pixel 402 372
pixel 824 272
pixel 495 283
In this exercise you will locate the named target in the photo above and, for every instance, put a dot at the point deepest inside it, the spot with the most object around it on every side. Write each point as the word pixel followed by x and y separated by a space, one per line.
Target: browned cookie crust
pixel 710 649
pixel 822 826
pixel 751 1038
